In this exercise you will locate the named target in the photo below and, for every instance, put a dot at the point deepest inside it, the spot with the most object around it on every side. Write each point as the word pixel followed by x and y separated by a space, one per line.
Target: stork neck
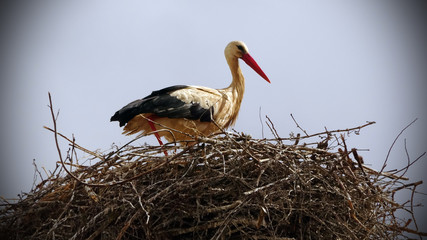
pixel 238 84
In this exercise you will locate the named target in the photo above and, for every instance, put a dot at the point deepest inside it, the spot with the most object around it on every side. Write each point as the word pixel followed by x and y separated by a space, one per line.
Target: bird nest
pixel 229 186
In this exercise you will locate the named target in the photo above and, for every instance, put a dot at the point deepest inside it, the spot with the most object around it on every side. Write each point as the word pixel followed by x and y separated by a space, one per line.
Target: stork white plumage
pixel 190 109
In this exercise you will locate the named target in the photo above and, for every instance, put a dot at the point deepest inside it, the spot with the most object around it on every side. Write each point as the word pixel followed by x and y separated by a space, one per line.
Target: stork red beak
pixel 251 62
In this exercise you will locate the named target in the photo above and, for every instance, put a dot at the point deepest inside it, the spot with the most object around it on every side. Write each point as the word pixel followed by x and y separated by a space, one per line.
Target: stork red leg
pixel 153 128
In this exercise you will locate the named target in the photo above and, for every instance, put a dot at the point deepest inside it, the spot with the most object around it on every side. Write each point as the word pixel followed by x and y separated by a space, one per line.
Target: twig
pixel 273 129
pixel 240 145
pixel 127 224
pixel 264 187
pixel 330 132
pixel 298 126
pixel 72 142
pixel 110 213
pixel 36 171
pixel 260 120
pixel 59 219
pixel 391 147
pixel 56 141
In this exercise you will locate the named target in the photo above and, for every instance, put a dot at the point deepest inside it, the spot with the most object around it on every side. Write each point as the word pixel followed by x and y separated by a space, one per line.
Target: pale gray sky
pixel 334 64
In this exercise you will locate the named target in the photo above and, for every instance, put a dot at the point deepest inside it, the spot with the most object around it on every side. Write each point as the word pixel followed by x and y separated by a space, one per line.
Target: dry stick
pixel 405 229
pixel 407 185
pixel 92 222
pixel 410 164
pixel 414 185
pixel 56 141
pixel 143 173
pixel 260 120
pixel 138 137
pixel 72 152
pixel 359 162
pixel 406 168
pixel 214 224
pixel 330 132
pixel 240 145
pixel 384 174
pixel 272 128
pixel 103 226
pixel 349 202
pixel 412 207
pixel 127 225
pixel 298 126
pixel 104 160
pixel 72 142
pixel 227 219
pixel 346 153
pixel 36 171
pixel 265 186
pixel 297 139
pixel 391 147
pixel 97 155
pixel 361 167
pixel 224 207
pixel 58 219
pixel 407 157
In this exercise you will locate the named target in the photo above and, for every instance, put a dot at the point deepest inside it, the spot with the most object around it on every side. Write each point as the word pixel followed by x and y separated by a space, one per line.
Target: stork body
pixel 192 110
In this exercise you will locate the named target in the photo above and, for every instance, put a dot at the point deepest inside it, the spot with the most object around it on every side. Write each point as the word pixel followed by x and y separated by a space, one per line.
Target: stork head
pixel 238 49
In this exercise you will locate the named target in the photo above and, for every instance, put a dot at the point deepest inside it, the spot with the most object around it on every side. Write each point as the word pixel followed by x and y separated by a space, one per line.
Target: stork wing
pixel 178 101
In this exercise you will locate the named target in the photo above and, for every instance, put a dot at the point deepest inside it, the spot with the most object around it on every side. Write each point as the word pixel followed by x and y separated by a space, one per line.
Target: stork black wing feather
pixel 162 104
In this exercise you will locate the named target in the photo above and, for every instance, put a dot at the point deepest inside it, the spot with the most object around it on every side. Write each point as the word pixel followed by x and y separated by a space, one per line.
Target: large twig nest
pixel 226 187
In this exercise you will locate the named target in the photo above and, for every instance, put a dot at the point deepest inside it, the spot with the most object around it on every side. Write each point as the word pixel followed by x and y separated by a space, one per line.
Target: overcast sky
pixel 333 64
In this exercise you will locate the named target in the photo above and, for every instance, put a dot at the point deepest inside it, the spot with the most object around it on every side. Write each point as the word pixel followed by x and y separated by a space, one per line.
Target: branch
pixel 328 132
pixel 298 126
pixel 391 147
pixel 56 141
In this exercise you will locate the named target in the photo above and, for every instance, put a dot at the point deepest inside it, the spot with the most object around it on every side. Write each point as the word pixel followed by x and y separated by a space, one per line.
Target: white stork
pixel 190 109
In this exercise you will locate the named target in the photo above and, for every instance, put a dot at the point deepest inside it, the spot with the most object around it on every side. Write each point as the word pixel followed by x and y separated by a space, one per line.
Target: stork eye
pixel 240 47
